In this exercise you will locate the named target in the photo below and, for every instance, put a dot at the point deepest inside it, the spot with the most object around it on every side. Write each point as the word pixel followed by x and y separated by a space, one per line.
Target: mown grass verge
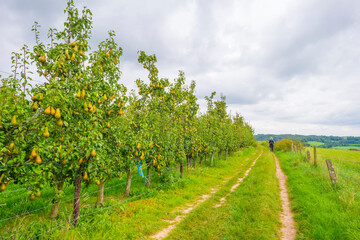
pixel 321 210
pixel 250 212
pixel 136 217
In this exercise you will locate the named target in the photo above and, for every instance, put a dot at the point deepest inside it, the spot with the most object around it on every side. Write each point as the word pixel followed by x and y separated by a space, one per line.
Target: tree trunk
pixel 77 198
pixel 188 161
pixel 128 183
pixel 100 196
pixel 220 154
pixel 55 207
pixel 181 170
pixel 227 153
pixel 201 159
pixel 194 163
pixel 148 176
pixel 212 159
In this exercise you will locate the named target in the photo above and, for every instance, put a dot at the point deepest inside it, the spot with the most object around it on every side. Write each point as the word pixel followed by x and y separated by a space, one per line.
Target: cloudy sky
pixel 288 66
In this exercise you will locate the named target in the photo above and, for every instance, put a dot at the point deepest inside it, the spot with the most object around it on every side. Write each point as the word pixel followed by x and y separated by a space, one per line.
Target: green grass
pixel 314 143
pixel 138 217
pixel 250 212
pixel 324 211
pixel 347 147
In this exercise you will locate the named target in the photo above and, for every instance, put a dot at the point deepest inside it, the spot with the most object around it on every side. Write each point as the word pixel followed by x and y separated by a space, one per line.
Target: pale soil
pixel 288 228
pixel 173 223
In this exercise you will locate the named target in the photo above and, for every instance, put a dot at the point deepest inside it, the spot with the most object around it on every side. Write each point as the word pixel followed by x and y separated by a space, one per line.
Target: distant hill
pixel 320 141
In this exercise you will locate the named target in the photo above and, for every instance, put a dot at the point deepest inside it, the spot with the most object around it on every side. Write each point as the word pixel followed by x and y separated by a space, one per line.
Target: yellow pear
pixel 85 107
pixel 52 111
pixel 38 194
pixel 2 187
pixel 85 177
pixel 78 95
pixel 57 113
pixel 13 121
pixel 76 49
pixel 98 183
pixel 73 44
pixel 120 112
pixel 42 58
pixel 83 94
pixel 105 98
pixel 60 123
pixel 32 197
pixel 81 53
pixel 108 125
pixel 67 52
pixel 46 132
pixel 108 54
pixel 35 106
pixel 93 153
pixel 109 112
pixel 47 110
pixel 73 57
pixel 38 159
pixel 33 153
pixel 11 146
pixel 138 146
pixel 80 161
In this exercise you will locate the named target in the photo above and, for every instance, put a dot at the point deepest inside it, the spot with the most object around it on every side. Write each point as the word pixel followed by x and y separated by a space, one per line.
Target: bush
pixel 283 145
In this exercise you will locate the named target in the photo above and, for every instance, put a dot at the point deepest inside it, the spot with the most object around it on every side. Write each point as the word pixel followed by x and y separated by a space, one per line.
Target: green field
pixel 316 144
pixel 324 211
pixel 347 147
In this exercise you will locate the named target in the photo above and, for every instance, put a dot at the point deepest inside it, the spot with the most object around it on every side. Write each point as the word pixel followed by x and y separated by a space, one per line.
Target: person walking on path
pixel 271 144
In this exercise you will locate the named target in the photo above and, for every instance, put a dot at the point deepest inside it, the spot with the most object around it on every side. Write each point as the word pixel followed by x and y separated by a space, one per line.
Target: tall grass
pixel 323 211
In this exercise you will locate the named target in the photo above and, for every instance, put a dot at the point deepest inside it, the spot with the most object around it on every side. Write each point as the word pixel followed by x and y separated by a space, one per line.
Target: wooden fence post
pixel 308 156
pixel 331 171
pixel 315 157
pixel 292 146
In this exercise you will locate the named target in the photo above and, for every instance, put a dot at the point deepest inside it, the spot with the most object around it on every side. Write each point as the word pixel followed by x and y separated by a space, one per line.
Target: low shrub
pixel 283 145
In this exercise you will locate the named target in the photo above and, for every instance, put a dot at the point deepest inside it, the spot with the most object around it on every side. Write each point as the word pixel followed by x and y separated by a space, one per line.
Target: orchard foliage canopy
pixel 83 124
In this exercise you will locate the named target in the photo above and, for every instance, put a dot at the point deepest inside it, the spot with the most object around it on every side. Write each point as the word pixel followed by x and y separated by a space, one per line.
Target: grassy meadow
pixel 322 210
pixel 314 143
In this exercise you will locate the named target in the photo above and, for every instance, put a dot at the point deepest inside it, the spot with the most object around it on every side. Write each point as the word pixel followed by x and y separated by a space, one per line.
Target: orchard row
pixel 82 124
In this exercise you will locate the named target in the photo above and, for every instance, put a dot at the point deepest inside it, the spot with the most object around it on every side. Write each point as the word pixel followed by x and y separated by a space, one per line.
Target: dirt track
pixel 288 228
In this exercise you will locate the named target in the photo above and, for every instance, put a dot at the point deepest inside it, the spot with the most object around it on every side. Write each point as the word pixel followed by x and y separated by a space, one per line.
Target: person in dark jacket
pixel 271 144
